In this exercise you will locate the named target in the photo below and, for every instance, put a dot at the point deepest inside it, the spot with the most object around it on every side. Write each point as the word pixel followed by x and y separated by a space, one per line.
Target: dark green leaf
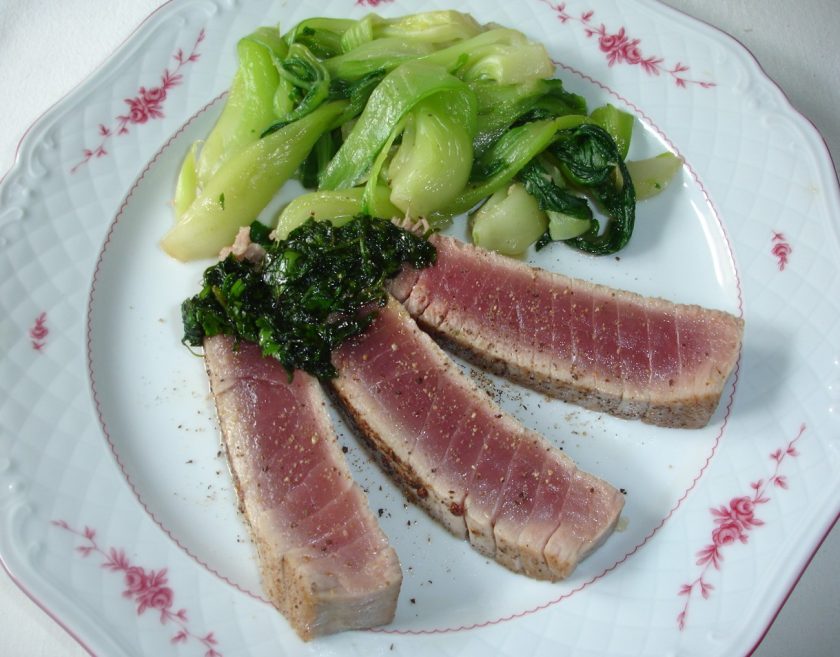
pixel 311 292
pixel 590 159
pixel 260 233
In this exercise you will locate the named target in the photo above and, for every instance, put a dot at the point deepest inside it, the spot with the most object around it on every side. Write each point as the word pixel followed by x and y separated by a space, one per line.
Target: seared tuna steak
pixel 604 349
pixel 325 563
pixel 473 467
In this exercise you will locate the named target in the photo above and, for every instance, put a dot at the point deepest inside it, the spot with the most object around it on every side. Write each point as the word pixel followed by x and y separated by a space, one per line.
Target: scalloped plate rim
pixel 27 143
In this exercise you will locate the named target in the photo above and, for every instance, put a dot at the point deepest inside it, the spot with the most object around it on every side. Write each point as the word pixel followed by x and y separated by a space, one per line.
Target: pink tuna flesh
pixel 325 563
pixel 470 465
pixel 605 349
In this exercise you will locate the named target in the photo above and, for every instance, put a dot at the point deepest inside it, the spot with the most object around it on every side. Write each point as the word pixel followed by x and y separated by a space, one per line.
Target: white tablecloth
pixel 46 48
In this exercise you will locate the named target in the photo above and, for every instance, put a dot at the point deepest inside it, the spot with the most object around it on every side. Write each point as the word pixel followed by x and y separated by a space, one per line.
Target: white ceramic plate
pixel 116 509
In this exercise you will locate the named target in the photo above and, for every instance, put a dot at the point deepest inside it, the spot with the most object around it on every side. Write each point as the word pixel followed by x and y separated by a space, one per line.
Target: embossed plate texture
pixel 116 506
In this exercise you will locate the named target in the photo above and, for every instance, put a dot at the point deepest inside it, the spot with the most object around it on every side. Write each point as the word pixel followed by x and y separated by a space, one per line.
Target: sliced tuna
pixel 473 467
pixel 325 563
pixel 608 350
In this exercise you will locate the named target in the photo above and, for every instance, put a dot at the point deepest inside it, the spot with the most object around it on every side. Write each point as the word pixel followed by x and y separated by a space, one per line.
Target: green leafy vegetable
pixel 249 107
pixel 186 186
pixel 309 78
pixel 492 55
pixel 501 106
pixel 652 175
pixel 617 123
pixel 322 36
pixel 357 92
pixel 318 159
pixel 248 181
pixel 425 115
pixel 311 292
pixel 433 162
pixel 568 215
pixel 590 158
pixel 385 54
pixel 432 27
pixel 390 101
pixel 337 206
pixel 500 164
pixel 509 222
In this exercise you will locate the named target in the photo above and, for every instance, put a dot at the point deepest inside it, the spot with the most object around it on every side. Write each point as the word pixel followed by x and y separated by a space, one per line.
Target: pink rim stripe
pixel 791 107
pixel 73 91
pixel 91 295
pixel 43 607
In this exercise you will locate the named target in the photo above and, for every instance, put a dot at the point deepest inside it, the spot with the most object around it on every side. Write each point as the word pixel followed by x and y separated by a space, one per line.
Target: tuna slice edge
pixel 324 561
pixel 605 349
pixel 477 470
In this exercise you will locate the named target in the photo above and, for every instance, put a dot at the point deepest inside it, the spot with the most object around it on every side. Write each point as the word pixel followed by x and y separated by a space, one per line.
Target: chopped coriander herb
pixel 222 200
pixel 259 234
pixel 311 292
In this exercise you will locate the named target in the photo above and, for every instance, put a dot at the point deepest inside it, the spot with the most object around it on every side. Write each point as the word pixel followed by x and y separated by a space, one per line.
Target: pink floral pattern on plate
pixel 39 332
pixel 147 588
pixel 781 249
pixel 619 48
pixel 146 105
pixel 733 524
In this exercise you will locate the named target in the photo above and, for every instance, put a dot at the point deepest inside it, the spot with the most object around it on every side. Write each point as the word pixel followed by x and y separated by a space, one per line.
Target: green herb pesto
pixel 312 291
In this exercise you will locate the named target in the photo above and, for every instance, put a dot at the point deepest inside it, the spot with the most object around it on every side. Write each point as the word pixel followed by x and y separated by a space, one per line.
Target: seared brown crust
pixel 451 500
pixel 691 413
pixel 401 472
